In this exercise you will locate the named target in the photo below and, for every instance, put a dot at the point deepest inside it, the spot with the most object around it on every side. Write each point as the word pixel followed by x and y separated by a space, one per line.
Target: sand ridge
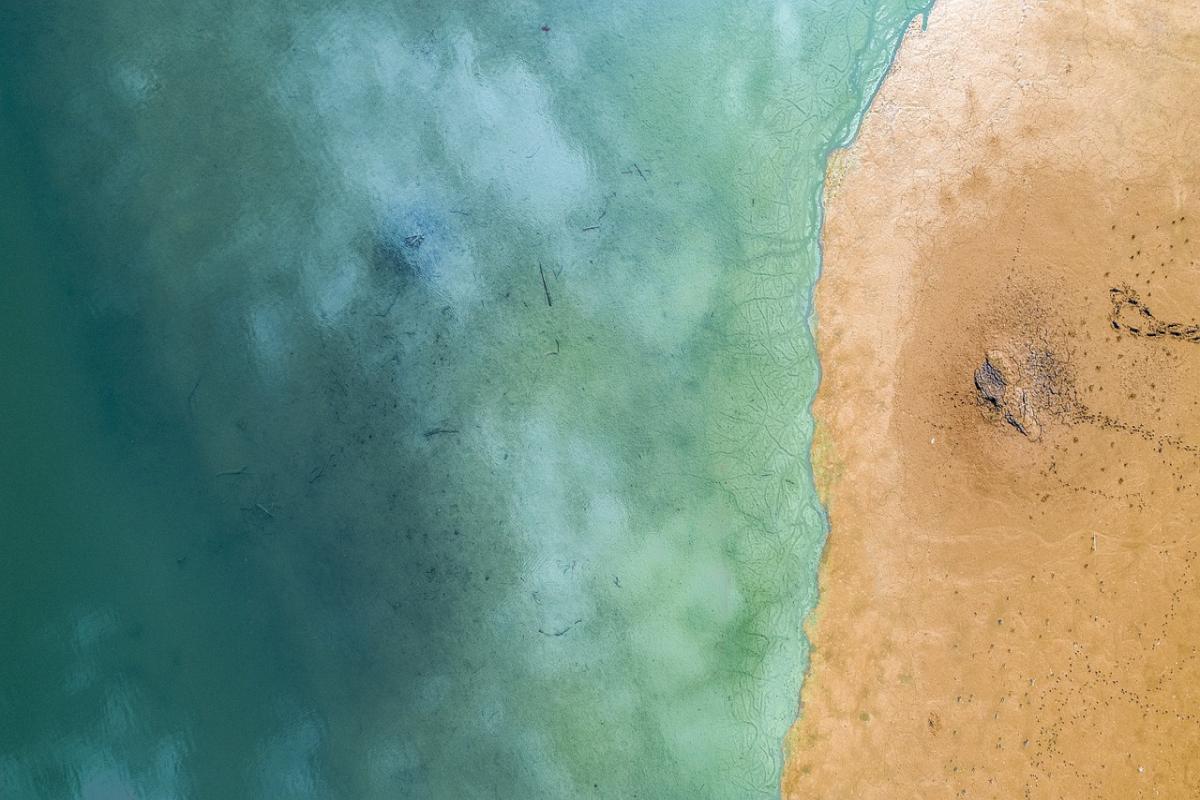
pixel 1009 611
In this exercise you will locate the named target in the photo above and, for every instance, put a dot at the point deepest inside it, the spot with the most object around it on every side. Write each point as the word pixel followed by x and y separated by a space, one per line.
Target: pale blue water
pixel 406 400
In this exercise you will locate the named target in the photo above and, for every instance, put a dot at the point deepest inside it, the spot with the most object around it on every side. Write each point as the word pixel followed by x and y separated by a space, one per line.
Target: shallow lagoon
pixel 412 401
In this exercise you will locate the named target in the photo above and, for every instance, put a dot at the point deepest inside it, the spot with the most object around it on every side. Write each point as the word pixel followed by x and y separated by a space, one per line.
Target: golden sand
pixel 1009 604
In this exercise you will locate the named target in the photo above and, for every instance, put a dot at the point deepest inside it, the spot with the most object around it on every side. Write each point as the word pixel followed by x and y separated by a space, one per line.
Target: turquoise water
pixel 411 400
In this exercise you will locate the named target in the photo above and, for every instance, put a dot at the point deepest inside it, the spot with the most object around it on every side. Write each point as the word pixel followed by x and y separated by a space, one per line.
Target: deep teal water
pixel 404 400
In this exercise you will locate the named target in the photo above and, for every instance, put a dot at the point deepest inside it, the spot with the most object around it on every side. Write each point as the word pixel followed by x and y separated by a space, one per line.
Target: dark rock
pixel 990 383
pixel 998 381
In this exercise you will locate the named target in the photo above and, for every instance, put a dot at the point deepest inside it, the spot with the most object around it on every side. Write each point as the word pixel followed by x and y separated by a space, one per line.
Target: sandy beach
pixel 1008 438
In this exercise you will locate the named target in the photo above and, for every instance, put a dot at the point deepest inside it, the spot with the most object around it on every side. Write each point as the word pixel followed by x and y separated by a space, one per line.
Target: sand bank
pixel 1008 601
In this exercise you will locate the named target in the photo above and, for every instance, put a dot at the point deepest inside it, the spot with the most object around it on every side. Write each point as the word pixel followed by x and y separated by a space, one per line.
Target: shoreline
pixel 918 22
pixel 990 581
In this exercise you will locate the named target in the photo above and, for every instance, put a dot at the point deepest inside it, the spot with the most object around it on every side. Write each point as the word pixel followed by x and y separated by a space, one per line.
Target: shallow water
pixel 410 401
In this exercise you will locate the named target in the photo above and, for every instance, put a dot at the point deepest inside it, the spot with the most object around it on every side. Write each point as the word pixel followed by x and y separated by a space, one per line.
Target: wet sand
pixel 1008 440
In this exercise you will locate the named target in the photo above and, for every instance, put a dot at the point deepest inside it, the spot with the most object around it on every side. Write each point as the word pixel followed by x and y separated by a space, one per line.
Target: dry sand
pixel 1010 613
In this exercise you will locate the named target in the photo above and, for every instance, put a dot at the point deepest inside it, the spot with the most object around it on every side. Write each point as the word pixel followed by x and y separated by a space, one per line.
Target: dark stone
pixel 991 384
